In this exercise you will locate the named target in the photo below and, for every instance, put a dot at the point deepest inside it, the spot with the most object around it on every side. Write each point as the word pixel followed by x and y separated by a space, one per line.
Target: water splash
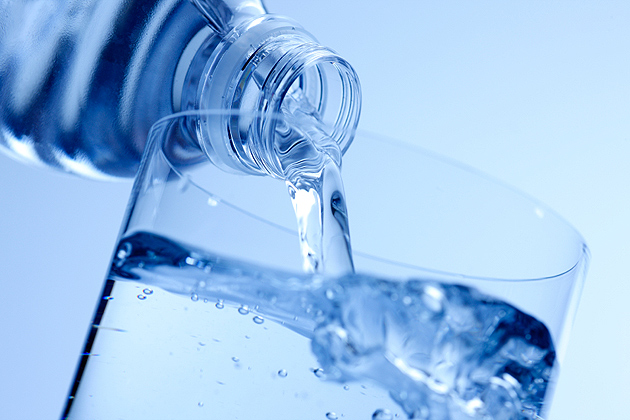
pixel 442 351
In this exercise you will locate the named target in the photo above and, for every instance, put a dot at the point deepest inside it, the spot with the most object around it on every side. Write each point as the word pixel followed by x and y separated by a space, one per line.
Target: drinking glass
pixel 462 298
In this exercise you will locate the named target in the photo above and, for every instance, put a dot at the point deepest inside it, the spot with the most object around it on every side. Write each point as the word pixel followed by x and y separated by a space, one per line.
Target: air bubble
pixel 147 291
pixel 319 372
pixel 191 261
pixel 243 310
pixel 331 415
pixel 282 373
pixel 421 414
pixel 382 414
pixel 141 297
pixel 346 387
pixel 236 359
pixel 219 305
pixel 200 403
pixel 258 319
pixel 194 297
pixel 433 299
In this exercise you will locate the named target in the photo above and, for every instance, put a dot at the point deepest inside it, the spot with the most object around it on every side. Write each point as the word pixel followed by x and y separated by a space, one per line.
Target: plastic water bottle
pixel 84 80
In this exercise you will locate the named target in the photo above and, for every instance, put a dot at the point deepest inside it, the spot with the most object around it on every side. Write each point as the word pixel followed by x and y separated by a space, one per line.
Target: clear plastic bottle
pixel 84 80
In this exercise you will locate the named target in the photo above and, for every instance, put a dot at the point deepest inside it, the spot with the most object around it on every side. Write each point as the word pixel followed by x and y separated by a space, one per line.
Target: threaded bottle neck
pixel 269 64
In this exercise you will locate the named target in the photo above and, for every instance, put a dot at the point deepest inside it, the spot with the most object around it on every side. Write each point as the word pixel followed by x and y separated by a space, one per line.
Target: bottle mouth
pixel 271 65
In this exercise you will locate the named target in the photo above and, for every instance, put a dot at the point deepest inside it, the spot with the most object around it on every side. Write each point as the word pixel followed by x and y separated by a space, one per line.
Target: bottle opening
pixel 269 65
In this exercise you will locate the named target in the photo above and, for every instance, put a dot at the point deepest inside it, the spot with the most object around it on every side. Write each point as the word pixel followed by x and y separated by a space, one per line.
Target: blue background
pixel 534 93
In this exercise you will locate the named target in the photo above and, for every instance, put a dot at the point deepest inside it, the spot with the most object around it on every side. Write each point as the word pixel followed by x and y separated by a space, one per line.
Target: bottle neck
pixel 264 65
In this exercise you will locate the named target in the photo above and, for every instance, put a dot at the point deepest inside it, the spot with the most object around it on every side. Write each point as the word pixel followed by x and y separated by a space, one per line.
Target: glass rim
pixel 580 263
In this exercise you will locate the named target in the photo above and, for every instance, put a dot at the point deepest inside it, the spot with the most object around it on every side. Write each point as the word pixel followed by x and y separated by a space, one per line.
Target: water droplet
pixel 319 372
pixel 141 297
pixel 200 403
pixel 123 253
pixel 382 414
pixel 282 373
pixel 194 297
pixel 258 319
pixel 346 387
pixel 147 291
pixel 236 359
pixel 331 415
pixel 243 310
pixel 220 305
pixel 205 300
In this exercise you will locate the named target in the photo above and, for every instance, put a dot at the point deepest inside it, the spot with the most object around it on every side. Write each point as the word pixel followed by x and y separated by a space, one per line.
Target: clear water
pixel 311 165
pixel 322 218
pixel 218 339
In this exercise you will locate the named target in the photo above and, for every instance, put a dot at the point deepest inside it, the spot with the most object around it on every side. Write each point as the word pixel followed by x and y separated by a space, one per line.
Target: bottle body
pixel 82 82
pixel 75 77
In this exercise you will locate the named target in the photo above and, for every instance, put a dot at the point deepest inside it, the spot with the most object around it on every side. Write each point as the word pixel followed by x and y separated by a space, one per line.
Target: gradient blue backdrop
pixel 534 93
